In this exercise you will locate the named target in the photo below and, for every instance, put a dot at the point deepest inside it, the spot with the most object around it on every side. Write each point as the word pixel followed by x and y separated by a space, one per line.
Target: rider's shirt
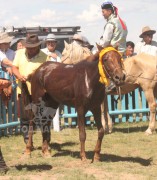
pixel 114 34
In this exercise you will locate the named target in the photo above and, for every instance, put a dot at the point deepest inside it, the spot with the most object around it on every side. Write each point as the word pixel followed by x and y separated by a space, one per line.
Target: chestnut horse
pixel 78 86
pixel 73 53
pixel 141 72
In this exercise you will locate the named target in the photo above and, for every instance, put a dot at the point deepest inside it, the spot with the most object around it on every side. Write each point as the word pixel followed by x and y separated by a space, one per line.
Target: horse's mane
pixel 73 53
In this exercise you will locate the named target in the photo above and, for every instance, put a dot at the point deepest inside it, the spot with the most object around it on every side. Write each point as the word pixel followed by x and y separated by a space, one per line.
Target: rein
pixel 127 75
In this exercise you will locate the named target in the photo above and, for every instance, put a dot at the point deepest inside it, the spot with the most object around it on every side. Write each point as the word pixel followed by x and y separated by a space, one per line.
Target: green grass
pixel 127 154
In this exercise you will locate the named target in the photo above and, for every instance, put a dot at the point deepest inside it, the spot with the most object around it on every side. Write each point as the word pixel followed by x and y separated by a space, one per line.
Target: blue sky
pixel 84 13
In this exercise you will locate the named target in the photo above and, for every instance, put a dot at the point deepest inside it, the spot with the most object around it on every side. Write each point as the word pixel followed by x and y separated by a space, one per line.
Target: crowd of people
pixel 29 56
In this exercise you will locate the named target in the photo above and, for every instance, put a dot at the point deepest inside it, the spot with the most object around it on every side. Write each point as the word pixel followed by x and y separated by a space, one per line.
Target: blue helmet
pixel 107 5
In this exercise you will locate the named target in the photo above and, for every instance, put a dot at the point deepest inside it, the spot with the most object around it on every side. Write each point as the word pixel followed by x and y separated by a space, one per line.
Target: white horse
pixel 141 71
pixel 75 53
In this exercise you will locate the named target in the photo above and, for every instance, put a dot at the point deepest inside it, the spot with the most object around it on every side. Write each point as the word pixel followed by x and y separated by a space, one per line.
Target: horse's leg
pixel 26 128
pixel 82 132
pixel 97 115
pixel 29 142
pixel 46 134
pixel 152 106
pixel 105 117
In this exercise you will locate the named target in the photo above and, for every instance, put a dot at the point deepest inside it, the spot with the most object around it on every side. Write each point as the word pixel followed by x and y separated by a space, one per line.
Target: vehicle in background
pixel 61 33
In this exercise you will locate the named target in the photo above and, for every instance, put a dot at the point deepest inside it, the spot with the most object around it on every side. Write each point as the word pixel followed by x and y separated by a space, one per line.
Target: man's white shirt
pixel 59 55
pixel 142 47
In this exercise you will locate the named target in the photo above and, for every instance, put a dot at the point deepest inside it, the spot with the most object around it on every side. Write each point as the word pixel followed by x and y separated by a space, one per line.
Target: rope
pixel 142 77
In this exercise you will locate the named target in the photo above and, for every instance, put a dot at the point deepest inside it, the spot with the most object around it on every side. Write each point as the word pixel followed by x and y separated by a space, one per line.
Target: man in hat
pixel 5 41
pixel 53 55
pixel 82 41
pixel 115 32
pixel 4 61
pixel 50 50
pixel 147 45
pixel 26 61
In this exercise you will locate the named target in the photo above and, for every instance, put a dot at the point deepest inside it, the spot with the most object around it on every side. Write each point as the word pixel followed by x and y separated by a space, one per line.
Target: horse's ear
pixel 66 45
pixel 99 47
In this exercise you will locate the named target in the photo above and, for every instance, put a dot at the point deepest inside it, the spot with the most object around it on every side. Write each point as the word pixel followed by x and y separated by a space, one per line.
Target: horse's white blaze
pixel 87 82
pixel 69 66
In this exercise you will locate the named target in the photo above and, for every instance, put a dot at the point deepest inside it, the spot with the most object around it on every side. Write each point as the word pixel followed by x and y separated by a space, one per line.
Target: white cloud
pixel 44 15
pixel 3 14
pixel 90 15
pixel 85 13
pixel 15 18
pixel 65 1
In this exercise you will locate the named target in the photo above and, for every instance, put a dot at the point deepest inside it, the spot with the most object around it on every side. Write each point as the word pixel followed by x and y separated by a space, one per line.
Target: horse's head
pixel 74 53
pixel 112 65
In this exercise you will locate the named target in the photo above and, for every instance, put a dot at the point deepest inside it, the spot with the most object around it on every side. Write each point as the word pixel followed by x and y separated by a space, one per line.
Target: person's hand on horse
pixel 22 78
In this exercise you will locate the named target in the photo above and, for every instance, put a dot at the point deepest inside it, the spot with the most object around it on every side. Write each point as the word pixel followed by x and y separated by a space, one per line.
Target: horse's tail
pixel 25 101
pixel 25 93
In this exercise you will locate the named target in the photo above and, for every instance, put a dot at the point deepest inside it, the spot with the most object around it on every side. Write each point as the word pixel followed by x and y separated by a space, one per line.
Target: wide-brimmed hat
pixel 5 38
pixel 51 37
pixel 83 39
pixel 78 37
pixel 147 30
pixel 32 41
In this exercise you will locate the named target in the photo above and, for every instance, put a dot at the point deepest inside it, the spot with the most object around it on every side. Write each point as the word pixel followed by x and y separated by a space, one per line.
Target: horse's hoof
pixel 110 131
pixel 84 159
pixel 46 154
pixel 148 132
pixel 96 159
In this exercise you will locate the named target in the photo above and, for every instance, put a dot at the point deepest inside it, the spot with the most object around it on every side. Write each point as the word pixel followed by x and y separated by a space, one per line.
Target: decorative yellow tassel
pixel 103 79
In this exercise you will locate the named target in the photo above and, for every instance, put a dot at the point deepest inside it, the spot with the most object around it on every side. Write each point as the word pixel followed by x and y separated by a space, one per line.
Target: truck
pixel 61 33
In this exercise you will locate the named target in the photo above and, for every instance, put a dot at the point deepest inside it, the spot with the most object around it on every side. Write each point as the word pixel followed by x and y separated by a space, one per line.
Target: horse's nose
pixel 120 79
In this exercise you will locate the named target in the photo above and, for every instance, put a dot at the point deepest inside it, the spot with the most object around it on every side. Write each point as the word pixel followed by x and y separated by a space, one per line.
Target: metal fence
pixel 131 107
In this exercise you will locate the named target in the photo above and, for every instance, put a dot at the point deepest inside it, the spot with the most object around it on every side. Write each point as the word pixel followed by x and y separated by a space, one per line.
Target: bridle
pixel 106 73
pixel 112 74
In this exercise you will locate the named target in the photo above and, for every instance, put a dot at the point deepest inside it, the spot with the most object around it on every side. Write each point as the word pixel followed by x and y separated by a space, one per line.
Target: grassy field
pixel 127 154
